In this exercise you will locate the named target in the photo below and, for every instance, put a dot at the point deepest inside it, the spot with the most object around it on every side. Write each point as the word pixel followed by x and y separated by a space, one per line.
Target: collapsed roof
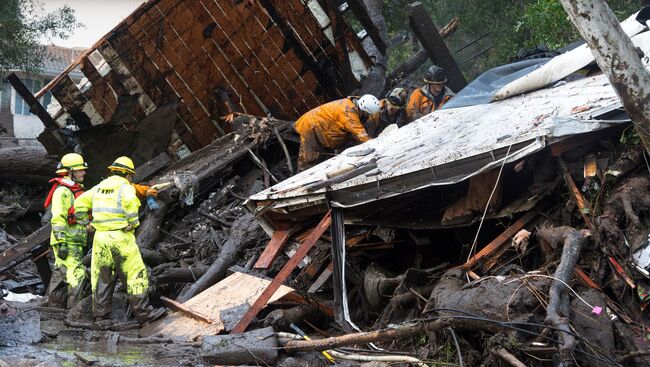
pixel 180 66
pixel 445 147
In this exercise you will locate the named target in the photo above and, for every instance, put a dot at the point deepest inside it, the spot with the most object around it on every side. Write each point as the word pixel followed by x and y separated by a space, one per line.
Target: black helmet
pixel 435 74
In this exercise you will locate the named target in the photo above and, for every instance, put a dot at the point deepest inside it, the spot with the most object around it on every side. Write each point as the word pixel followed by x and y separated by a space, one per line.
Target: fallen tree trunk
pixel 30 164
pixel 400 332
pixel 245 230
pixel 558 312
pixel 181 275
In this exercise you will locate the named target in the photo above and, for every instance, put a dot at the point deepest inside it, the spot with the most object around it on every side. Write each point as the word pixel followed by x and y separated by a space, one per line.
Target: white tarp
pixel 561 66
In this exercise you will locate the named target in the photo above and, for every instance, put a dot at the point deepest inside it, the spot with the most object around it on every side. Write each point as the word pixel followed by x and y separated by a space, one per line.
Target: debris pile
pixel 507 233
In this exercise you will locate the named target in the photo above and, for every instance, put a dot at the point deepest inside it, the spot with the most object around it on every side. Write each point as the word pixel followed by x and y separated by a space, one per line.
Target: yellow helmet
pixel 71 162
pixel 123 164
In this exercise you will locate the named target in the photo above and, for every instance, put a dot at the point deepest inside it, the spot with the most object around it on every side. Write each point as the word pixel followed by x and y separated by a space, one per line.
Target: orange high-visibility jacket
pixel 421 102
pixel 332 122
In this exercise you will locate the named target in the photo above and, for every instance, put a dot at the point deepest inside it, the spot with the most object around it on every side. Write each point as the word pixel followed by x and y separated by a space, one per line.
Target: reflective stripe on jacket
pixel 421 102
pixel 332 122
pixel 113 202
pixel 63 232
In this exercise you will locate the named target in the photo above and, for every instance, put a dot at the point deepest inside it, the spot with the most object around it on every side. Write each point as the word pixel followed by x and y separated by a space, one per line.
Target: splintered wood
pixel 236 290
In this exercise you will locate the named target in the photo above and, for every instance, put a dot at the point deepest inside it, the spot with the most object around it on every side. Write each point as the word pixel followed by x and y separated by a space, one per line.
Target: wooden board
pixel 270 291
pixel 235 290
pixel 272 249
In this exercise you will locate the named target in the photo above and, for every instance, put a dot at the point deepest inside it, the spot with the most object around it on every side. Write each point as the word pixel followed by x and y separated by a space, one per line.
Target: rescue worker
pixel 114 206
pixel 328 127
pixel 391 112
pixel 429 97
pixel 68 238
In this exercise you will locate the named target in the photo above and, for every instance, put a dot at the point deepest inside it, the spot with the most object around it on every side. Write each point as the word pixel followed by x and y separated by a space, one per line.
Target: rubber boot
pixel 57 290
pixel 76 294
pixel 143 311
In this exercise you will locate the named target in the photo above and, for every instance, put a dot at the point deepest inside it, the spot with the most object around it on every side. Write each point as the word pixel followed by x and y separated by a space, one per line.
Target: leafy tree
pixel 23 26
pixel 502 27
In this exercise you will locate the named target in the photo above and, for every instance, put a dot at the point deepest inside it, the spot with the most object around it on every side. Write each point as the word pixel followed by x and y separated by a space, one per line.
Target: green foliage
pixel 545 22
pixel 23 26
pixel 511 24
pixel 629 136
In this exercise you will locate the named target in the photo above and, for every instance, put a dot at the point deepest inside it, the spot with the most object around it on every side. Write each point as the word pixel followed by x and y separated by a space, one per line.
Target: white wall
pixel 27 126
pixel 99 17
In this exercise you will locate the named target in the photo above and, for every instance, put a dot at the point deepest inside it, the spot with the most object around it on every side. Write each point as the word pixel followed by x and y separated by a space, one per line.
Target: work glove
pixel 152 192
pixel 141 190
pixel 128 228
pixel 62 251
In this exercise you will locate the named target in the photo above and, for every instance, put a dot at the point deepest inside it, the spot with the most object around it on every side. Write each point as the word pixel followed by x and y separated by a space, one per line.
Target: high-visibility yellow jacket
pixel 62 231
pixel 113 202
pixel 421 102
pixel 333 122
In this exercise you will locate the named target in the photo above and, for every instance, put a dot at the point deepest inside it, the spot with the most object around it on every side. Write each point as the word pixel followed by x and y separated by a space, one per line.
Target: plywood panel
pixel 235 290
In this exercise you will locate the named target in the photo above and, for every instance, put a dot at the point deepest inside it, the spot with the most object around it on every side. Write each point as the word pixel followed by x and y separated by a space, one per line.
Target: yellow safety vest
pixel 113 202
pixel 62 231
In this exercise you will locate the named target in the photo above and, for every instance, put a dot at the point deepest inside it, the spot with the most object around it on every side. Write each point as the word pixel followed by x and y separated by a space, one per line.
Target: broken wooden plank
pixel 236 290
pixel 583 206
pixel 322 278
pixel 35 106
pixel 12 255
pixel 177 306
pixel 427 33
pixel 302 251
pixel 584 278
pixel 273 248
pixel 502 240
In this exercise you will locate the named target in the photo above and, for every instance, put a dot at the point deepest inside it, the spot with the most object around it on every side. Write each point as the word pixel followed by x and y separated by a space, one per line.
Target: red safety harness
pixel 76 189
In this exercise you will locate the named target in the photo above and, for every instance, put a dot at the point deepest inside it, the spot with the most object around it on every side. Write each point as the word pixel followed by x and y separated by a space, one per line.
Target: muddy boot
pixel 57 291
pixel 143 311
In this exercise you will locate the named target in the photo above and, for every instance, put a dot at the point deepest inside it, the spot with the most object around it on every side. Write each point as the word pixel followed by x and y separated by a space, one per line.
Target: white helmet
pixel 368 104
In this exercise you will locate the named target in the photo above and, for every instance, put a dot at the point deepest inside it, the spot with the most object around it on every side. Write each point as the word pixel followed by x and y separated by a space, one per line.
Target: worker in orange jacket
pixel 391 112
pixel 329 126
pixel 429 97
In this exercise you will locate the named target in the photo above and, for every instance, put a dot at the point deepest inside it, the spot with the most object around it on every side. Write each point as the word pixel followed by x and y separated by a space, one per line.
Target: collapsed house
pixel 463 228
pixel 165 78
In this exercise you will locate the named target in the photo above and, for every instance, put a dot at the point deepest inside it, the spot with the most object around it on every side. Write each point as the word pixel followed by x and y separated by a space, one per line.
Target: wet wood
pixel 177 306
pixel 501 241
pixel 234 291
pixel 297 257
pixel 243 228
pixel 413 63
pixel 558 312
pixel 427 33
pixel 273 248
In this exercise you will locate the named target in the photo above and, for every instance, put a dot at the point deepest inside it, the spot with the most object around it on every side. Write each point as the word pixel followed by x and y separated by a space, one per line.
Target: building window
pixel 22 108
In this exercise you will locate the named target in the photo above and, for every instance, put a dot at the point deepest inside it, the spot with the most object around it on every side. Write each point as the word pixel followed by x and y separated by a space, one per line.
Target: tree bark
pixel 399 332
pixel 30 164
pixel 558 312
pixel 244 229
pixel 181 275
pixel 617 58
